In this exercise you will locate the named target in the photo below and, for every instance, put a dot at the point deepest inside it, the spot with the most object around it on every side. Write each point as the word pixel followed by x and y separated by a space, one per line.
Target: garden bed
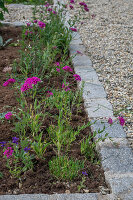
pixel 39 178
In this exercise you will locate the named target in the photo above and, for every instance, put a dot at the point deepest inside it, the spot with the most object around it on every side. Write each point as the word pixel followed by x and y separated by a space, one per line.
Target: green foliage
pixel 20 161
pixel 3 9
pixel 2 44
pixel 88 145
pixel 64 168
pixel 81 186
pixel 1 175
pixel 38 146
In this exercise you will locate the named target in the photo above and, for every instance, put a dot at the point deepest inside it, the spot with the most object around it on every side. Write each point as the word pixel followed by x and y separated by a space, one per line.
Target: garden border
pixel 116 160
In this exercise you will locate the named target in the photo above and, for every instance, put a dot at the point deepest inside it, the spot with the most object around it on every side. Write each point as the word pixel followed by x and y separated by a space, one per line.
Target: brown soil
pixel 40 180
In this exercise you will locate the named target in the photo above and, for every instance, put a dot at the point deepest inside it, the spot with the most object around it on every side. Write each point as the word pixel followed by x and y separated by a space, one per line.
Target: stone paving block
pixel 74 48
pixel 76 39
pixel 25 197
pixel 122 187
pixel 97 108
pixel 117 160
pixel 81 61
pixel 92 91
pixel 91 196
pixel 89 76
pixel 19 24
pixel 85 70
pixel 115 130
pixel 107 197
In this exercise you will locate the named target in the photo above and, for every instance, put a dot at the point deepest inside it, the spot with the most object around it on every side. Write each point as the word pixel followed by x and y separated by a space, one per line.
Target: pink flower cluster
pixel 8 152
pixel 73 29
pixel 28 84
pixel 57 69
pixel 65 86
pixel 71 7
pixel 72 1
pixel 57 64
pixel 11 80
pixel 28 32
pixel 41 24
pixel 67 68
pixel 85 6
pixel 8 115
pixel 121 121
pixel 35 21
pixel 49 93
pixel 77 77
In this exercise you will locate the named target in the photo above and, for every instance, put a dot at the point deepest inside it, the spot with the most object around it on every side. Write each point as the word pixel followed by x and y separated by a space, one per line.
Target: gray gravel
pixel 108 38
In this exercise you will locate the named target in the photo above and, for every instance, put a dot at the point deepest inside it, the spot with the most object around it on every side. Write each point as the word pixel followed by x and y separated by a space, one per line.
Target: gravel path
pixel 108 38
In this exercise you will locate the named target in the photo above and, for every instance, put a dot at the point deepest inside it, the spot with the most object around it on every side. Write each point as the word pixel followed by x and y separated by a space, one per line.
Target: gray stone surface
pixel 25 197
pixel 76 39
pixel 88 196
pixel 81 61
pixel 74 48
pixel 122 187
pixel 115 130
pixel 97 108
pixel 92 91
pixel 117 160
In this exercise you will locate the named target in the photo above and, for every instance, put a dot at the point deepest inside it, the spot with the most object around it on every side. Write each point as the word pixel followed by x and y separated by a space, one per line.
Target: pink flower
pixel 121 120
pixel 86 9
pixel 49 94
pixel 11 80
pixel 57 69
pixel 65 86
pixel 72 1
pixel 49 9
pixel 77 77
pixel 110 121
pixel 93 16
pixel 41 24
pixel 57 64
pixel 28 84
pixel 82 4
pixel 71 7
pixel 28 24
pixel 35 21
pixel 54 12
pixel 67 68
pixel 47 5
pixel 73 29
pixel 8 115
pixel 79 52
pixel 8 152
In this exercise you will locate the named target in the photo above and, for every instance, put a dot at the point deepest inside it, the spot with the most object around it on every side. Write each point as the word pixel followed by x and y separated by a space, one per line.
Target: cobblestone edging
pixel 116 160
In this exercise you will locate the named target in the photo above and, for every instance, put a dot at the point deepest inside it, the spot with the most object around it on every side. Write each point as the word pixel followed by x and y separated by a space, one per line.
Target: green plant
pixel 18 158
pixel 88 145
pixel 38 146
pixel 64 168
pixel 2 44
pixel 1 175
pixel 81 186
pixel 3 9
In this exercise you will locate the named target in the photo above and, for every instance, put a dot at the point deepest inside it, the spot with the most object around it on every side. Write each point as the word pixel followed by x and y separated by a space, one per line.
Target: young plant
pixel 64 168
pixel 2 44
pixel 39 146
pixel 88 145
